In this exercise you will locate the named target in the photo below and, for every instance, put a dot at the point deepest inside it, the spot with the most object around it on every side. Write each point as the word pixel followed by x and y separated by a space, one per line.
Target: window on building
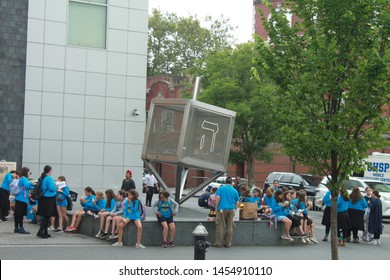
pixel 87 23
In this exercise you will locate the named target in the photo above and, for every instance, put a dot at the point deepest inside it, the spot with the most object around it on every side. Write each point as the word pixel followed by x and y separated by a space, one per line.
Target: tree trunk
pixel 250 172
pixel 333 216
pixel 333 229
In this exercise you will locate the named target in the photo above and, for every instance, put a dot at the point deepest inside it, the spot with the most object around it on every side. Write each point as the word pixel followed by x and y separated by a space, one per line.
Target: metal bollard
pixel 201 244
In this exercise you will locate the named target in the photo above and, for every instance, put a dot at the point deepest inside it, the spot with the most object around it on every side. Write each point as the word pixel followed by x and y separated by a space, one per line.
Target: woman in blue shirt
pixel 47 206
pixel 21 200
pixel 131 213
pixel 4 194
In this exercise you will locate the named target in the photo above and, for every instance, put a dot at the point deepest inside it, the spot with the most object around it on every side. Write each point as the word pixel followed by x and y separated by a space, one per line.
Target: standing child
pixel 5 192
pixel 343 223
pixel 62 203
pixel 163 210
pixel 375 222
pixel 131 213
pixel 356 208
pixel 368 198
pixel 21 200
pixel 211 204
pixel 327 200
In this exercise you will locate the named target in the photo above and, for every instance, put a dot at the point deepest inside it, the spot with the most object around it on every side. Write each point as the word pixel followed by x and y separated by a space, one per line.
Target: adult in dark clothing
pixel 237 185
pixel 47 206
pixel 128 183
pixel 375 221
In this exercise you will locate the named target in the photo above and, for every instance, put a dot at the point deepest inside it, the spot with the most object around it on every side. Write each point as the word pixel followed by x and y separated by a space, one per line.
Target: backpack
pixel 36 193
pixel 69 201
pixel 14 187
pixel 203 200
pixel 211 201
pixel 142 210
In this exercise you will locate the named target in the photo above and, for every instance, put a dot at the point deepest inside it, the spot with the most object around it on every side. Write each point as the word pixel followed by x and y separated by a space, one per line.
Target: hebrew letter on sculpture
pixel 214 128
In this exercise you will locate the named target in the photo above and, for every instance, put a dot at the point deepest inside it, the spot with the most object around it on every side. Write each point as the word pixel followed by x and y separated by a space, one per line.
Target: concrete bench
pixel 246 233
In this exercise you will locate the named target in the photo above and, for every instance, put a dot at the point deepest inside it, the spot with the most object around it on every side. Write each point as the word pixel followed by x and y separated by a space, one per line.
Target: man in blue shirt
pixel 226 203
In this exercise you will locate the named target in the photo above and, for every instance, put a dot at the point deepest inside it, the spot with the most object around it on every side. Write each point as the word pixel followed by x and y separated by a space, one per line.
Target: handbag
pixel 156 189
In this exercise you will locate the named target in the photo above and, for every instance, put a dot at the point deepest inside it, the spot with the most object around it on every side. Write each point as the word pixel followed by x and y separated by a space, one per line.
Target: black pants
pixel 4 213
pixel 354 233
pixel 18 221
pixel 44 225
pixel 149 196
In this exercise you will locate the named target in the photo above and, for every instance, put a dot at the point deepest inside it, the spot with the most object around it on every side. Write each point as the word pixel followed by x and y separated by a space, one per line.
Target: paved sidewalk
pixel 70 246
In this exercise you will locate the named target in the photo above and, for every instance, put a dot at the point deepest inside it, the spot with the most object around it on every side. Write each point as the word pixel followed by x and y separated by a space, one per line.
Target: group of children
pixel 289 209
pixel 355 213
pixel 116 211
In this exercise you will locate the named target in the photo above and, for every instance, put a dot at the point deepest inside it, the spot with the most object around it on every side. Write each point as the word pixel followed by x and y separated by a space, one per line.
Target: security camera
pixel 136 112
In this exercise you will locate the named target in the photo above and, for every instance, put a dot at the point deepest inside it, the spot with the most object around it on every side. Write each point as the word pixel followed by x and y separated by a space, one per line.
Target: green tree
pixel 332 70
pixel 180 45
pixel 228 82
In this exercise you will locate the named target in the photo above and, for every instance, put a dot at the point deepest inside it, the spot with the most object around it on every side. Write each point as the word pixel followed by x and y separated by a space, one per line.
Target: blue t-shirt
pixel 228 197
pixel 25 185
pixel 359 205
pixel 131 210
pixel 61 197
pixel 7 181
pixel 49 188
pixel 342 205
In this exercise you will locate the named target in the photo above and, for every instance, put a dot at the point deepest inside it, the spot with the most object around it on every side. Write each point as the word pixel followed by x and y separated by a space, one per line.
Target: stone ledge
pixel 246 233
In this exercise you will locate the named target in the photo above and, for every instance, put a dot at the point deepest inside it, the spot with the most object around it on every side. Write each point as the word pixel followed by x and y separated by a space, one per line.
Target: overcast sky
pixel 239 12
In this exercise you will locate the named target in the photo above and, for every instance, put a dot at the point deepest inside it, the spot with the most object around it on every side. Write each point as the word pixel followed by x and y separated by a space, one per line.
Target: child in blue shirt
pixel 78 215
pixel 131 213
pixel 105 212
pixel 115 216
pixel 164 212
pixel 62 203
pixel 343 223
pixel 277 209
pixel 21 200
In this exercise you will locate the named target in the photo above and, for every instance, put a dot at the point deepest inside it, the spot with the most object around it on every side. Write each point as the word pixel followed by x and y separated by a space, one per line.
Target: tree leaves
pixel 180 45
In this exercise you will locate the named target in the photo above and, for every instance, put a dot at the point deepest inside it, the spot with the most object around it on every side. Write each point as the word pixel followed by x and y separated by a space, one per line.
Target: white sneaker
pixel 113 236
pixel 374 242
pixel 51 228
pixel 314 240
pixel 117 244
pixel 285 237
pixel 139 246
pixel 99 234
pixel 308 241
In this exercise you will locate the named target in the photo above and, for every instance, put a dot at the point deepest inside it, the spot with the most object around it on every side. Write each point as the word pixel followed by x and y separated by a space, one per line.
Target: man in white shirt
pixel 151 186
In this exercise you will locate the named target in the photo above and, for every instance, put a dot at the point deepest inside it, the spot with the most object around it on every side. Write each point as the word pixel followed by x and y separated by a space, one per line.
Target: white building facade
pixel 85 86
